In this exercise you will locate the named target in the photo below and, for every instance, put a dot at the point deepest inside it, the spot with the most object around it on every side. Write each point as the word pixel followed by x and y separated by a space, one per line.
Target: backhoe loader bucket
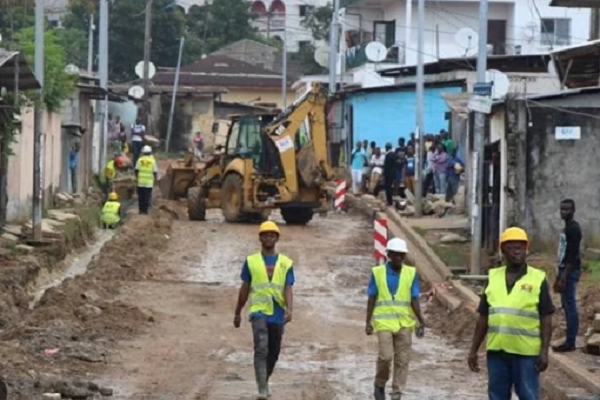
pixel 178 179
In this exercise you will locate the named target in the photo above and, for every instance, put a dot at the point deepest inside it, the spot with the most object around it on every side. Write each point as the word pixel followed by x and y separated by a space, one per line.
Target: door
pixel 497 36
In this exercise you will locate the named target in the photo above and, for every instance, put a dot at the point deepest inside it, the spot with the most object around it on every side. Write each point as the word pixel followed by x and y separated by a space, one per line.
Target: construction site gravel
pixel 151 319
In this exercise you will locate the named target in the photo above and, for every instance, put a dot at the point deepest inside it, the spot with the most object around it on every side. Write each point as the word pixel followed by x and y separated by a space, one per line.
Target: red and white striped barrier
pixel 380 236
pixel 339 201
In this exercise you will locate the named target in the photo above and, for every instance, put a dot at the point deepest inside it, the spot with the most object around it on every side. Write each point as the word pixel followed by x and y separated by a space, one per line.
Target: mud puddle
pixel 74 265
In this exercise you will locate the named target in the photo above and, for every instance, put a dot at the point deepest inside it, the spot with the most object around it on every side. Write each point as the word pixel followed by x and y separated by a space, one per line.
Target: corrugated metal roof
pixel 578 66
pixel 14 68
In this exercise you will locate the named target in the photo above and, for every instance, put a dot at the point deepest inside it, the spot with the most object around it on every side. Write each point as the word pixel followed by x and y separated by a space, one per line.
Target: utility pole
pixel 284 69
pixel 103 72
pixel 175 85
pixel 334 45
pixel 479 132
pixel 38 116
pixel 419 117
pixel 90 64
pixel 147 43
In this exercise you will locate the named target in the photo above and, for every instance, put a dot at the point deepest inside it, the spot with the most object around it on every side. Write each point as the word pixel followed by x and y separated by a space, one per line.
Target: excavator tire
pixel 196 204
pixel 232 198
pixel 297 216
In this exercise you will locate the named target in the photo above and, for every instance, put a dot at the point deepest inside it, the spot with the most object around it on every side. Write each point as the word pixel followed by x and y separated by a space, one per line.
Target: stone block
pixel 8 237
pixel 61 216
pixel 453 238
pixel 24 248
pixel 596 324
pixel 13 230
pixel 593 345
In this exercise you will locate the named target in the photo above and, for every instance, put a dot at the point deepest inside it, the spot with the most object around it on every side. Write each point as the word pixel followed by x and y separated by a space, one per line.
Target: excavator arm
pixel 310 161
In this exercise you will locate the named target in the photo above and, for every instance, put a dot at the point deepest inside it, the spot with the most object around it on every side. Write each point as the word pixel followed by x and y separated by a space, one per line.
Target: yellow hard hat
pixel 514 234
pixel 268 226
pixel 113 196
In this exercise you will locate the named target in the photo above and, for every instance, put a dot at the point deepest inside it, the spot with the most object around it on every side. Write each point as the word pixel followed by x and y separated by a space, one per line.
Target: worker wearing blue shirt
pixel 393 312
pixel 267 280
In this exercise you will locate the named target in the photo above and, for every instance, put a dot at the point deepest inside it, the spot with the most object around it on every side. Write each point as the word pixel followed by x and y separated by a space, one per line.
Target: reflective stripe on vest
pixel 110 213
pixel 513 319
pixel 263 290
pixel 393 313
pixel 146 171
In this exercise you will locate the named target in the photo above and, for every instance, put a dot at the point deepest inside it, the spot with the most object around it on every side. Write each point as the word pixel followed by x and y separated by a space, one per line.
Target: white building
pixel 277 17
pixel 515 27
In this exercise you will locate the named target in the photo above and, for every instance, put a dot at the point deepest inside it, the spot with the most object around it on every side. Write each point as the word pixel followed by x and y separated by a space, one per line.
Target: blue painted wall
pixel 386 116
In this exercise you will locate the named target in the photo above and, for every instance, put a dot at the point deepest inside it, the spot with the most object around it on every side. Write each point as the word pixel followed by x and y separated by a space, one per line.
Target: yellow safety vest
pixel 110 213
pixel 109 172
pixel 263 291
pixel 145 169
pixel 393 313
pixel 513 319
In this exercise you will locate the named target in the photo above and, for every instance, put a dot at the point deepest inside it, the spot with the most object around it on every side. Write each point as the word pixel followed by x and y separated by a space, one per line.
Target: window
pixel 385 32
pixel 306 10
pixel 233 138
pixel 555 32
pixel 304 44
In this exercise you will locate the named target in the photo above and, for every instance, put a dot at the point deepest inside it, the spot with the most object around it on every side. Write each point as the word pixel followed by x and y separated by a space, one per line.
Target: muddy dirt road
pixel 194 353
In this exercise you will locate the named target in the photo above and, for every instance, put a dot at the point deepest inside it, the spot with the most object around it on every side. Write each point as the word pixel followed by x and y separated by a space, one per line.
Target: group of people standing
pixel 397 166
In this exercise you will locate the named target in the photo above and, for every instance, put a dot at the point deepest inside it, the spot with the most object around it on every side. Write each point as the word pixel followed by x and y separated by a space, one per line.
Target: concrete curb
pixel 437 272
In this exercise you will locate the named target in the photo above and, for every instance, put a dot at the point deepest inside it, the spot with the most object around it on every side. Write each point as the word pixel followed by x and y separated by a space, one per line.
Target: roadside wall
pixel 20 165
pixel 557 169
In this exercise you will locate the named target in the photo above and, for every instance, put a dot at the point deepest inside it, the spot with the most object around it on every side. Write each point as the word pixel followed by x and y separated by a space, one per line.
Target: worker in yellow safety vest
pixel 111 212
pixel 267 279
pixel 146 174
pixel 107 177
pixel 393 313
pixel 515 312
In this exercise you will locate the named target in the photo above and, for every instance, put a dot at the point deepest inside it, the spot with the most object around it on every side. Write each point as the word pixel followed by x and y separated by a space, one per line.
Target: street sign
pixel 482 104
pixel 567 133
pixel 482 88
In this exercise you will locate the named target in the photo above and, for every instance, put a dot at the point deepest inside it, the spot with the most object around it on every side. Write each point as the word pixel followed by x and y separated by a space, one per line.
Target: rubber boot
pixel 260 371
pixel 379 393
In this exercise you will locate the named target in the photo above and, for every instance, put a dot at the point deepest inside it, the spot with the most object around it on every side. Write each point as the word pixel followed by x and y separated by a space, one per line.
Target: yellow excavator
pixel 268 161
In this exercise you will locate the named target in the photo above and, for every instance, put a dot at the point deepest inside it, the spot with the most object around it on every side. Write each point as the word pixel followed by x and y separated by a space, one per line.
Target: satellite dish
pixel 376 52
pixel 500 83
pixel 466 38
pixel 137 92
pixel 322 56
pixel 0 38
pixel 72 69
pixel 139 70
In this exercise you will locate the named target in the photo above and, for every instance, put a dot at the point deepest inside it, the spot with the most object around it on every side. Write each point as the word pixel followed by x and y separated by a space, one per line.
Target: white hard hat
pixel 146 149
pixel 397 246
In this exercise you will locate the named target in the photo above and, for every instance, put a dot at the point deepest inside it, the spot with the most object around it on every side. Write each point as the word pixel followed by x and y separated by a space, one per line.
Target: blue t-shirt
pixel 450 171
pixel 278 317
pixel 73 159
pixel 393 280
pixel 410 166
pixel 359 159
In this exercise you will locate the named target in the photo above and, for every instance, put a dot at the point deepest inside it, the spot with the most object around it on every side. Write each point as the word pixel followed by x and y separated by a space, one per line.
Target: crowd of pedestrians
pixel 394 169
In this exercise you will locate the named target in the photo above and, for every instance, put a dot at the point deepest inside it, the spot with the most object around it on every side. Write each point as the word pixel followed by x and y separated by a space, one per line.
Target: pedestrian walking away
pixel 358 161
pixel 389 173
pixel 393 313
pixel 138 137
pixel 515 312
pixel 569 272
pixel 439 169
pixel 111 212
pixel 267 280
pixel 454 168
pixel 146 174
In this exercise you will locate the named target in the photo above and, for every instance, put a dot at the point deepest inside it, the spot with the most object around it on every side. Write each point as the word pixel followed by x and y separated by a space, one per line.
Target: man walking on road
pixel 146 173
pixel 569 272
pixel 393 310
pixel 515 312
pixel 267 279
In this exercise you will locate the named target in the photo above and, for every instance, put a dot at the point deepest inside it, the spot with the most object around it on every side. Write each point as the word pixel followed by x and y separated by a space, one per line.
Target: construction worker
pixel 267 279
pixel 145 173
pixel 111 212
pixel 515 312
pixel 107 177
pixel 392 313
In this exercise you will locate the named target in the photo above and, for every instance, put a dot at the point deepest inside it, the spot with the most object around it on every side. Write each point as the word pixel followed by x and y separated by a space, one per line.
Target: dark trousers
pixel 388 182
pixel 267 344
pixel 73 172
pixel 144 199
pixel 508 371
pixel 136 149
pixel 428 183
pixel 452 182
pixel 569 304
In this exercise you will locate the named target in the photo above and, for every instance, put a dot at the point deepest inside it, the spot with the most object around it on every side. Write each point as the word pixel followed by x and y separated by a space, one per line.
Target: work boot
pixel 379 393
pixel 260 372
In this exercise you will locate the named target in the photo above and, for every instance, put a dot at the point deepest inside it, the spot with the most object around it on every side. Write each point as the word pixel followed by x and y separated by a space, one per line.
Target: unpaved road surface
pixel 194 353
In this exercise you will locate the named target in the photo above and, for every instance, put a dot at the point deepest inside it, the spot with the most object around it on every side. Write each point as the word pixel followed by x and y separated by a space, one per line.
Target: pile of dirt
pixel 71 330
pixel 455 326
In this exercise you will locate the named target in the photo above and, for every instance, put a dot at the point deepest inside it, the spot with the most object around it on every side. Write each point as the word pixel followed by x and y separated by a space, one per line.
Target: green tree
pixel 319 21
pixel 58 83
pixel 15 15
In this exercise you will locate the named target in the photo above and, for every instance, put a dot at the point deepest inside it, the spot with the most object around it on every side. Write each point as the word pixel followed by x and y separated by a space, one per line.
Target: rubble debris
pixel 87 312
pixel 106 392
pixel 9 237
pixel 25 248
pixel 13 230
pixel 440 207
pixel 71 391
pixel 596 324
pixel 592 345
pixel 61 216
pixel 453 238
